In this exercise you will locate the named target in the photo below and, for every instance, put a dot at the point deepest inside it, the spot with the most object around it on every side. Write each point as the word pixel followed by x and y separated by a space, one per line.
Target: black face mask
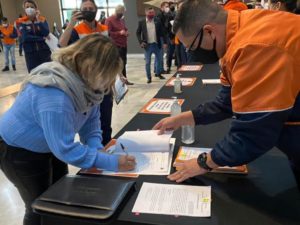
pixel 88 15
pixel 203 55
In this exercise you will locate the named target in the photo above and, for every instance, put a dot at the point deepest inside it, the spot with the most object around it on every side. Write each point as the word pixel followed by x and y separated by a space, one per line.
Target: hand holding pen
pixel 126 162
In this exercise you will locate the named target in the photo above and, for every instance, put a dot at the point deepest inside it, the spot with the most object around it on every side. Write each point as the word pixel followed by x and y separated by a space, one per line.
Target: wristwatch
pixel 202 158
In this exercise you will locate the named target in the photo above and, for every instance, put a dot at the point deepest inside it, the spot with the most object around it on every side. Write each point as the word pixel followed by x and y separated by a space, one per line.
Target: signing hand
pixel 126 163
pixel 187 169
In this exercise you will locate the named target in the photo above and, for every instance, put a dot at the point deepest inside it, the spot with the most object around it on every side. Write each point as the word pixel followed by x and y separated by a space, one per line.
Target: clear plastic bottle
pixel 175 107
pixel 177 84
pixel 188 134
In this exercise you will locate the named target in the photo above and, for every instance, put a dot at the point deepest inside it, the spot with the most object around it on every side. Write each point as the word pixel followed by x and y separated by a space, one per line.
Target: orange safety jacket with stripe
pixel 83 29
pixel 8 34
pixel 261 86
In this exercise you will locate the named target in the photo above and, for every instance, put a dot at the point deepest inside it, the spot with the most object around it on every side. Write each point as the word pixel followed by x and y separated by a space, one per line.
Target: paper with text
pixel 149 163
pixel 160 106
pixel 171 199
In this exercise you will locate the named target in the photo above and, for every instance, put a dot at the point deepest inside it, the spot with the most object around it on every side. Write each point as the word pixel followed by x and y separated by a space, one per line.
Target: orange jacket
pixel 262 65
pixel 83 29
pixel 235 5
pixel 9 34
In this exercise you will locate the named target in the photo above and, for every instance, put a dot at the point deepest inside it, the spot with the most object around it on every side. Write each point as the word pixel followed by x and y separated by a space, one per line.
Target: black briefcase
pixel 85 196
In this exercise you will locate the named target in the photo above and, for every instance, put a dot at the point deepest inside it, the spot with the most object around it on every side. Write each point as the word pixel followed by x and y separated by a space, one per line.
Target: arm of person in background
pixel 14 34
pixel 27 37
pixel 139 33
pixel 70 35
pixel 91 134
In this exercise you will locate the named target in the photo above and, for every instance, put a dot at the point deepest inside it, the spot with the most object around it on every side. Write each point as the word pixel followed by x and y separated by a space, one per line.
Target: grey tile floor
pixel 11 205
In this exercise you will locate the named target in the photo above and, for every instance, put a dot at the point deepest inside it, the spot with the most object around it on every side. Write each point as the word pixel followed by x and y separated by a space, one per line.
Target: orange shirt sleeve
pixel 262 79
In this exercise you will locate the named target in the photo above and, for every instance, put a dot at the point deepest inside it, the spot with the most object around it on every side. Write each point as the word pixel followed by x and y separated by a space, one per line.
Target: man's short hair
pixel 120 7
pixel 193 14
pixel 30 1
pixel 4 19
pixel 92 1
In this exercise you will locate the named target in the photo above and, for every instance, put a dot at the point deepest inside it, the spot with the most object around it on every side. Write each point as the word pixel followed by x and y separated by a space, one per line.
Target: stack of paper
pixel 172 199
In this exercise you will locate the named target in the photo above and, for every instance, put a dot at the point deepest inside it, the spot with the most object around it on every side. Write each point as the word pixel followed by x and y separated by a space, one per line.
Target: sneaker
pixel 160 76
pixel 149 81
pixel 14 67
pixel 6 68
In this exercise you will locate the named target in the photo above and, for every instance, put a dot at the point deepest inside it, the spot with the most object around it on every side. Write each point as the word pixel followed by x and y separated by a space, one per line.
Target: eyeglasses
pixel 200 33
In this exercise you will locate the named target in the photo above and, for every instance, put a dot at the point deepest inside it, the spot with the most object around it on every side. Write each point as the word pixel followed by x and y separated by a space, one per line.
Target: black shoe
pixel 21 54
pixel 160 76
pixel 128 83
pixel 168 70
pixel 5 69
pixel 164 72
pixel 14 67
pixel 149 81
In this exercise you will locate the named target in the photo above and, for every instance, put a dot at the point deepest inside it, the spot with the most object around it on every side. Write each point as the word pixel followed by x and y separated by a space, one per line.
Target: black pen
pixel 123 149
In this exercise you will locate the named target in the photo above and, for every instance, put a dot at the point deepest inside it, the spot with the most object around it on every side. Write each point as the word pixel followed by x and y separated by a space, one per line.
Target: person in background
pixel 66 24
pixel 163 16
pixel 235 5
pixel 17 26
pixel 118 32
pixel 102 18
pixel 171 37
pixel 181 53
pixel 283 5
pixel 8 34
pixel 73 33
pixel 149 33
pixel 264 99
pixel 58 100
pixel 34 31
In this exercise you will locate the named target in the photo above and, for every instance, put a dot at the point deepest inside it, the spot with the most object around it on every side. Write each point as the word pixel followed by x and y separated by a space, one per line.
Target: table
pixel 268 195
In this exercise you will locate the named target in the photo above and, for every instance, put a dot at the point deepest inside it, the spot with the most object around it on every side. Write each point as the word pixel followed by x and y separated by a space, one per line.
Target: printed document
pixel 172 199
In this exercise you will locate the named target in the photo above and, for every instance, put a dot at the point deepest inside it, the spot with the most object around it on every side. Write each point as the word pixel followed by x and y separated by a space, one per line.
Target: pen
pixel 123 149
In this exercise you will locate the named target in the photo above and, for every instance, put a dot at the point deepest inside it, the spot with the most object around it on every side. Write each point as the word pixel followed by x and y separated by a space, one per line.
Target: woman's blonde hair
pixel 95 59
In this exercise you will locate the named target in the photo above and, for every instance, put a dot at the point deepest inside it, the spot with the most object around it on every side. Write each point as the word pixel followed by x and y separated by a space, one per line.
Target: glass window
pixel 114 3
pixel 101 3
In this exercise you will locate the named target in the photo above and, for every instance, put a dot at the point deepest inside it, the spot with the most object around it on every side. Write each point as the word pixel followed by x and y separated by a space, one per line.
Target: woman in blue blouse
pixel 58 100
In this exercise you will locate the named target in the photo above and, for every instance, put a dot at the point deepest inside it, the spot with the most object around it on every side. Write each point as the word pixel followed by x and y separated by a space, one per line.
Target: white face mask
pixel 167 9
pixel 30 11
pixel 4 24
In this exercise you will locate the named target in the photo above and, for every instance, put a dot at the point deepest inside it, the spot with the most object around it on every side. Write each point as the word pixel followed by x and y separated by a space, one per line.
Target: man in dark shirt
pixel 118 32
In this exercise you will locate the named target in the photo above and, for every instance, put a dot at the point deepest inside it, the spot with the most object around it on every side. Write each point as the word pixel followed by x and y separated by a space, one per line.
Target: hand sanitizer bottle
pixel 177 84
pixel 175 108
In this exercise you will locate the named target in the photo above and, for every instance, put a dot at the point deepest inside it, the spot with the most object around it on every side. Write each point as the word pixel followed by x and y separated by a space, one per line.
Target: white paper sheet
pixel 150 163
pixel 120 90
pixel 211 81
pixel 52 42
pixel 144 141
pixel 171 199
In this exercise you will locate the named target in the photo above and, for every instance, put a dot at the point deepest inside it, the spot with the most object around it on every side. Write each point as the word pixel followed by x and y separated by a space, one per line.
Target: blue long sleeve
pixel 216 110
pixel 28 35
pixel 91 133
pixel 250 136
pixel 14 34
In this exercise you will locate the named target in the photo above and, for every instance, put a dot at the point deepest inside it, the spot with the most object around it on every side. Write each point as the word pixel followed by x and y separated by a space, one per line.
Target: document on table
pixel 211 81
pixel 185 81
pixel 160 106
pixel 52 42
pixel 153 152
pixel 172 199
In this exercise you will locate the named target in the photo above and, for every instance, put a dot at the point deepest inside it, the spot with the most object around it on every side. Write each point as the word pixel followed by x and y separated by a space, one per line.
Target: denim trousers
pixel 153 48
pixel 31 173
pixel 9 50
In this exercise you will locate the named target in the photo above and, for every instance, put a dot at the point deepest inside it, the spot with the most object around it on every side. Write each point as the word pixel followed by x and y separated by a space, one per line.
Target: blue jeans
pixel 9 49
pixel 153 48
pixel 159 67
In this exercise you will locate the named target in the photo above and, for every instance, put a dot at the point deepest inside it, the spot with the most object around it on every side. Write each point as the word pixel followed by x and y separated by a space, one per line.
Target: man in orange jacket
pixel 260 83
pixel 8 34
